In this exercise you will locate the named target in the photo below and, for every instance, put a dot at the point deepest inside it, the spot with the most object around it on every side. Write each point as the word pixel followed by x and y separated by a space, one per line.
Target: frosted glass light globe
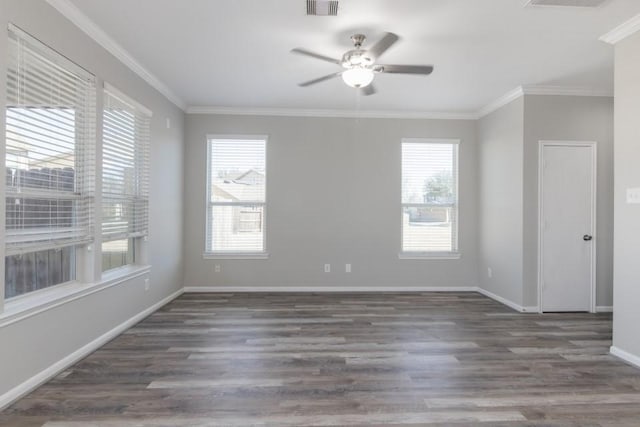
pixel 358 77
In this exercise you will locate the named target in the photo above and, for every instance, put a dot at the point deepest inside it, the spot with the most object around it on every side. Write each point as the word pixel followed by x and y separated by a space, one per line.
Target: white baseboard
pixel 626 356
pixel 604 309
pixel 34 382
pixel 508 303
pixel 322 289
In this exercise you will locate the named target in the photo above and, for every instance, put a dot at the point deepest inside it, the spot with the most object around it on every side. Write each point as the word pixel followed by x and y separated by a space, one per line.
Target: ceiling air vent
pixel 566 3
pixel 322 7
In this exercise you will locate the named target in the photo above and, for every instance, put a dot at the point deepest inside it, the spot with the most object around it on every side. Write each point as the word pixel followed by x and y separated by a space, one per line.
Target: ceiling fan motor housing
pixel 358 39
pixel 356 58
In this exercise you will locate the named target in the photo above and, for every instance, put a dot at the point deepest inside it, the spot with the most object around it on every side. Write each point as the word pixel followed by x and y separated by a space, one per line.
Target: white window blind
pixel 429 196
pixel 125 167
pixel 236 186
pixel 50 148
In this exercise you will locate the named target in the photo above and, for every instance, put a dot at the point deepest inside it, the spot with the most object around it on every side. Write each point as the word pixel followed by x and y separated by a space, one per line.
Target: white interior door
pixel 567 226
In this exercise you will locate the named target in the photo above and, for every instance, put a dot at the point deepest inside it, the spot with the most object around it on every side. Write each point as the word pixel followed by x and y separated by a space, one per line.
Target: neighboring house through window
pixel 429 197
pixel 236 195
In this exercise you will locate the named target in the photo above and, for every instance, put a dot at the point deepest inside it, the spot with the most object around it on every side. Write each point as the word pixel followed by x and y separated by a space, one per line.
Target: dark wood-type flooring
pixel 286 360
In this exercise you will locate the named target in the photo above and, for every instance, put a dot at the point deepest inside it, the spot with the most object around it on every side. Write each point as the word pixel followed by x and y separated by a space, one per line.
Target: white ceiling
pixel 235 53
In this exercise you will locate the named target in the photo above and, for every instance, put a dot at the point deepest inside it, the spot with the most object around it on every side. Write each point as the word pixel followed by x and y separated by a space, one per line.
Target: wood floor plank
pixel 345 359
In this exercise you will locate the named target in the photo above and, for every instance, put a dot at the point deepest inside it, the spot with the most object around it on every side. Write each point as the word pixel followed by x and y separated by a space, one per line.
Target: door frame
pixel 594 185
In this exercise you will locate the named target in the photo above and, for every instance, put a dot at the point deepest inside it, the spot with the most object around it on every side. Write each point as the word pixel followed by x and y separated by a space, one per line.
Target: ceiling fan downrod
pixel 358 40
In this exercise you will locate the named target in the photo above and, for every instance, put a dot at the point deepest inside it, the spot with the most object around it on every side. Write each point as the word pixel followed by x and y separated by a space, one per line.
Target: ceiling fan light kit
pixel 358 77
pixel 360 65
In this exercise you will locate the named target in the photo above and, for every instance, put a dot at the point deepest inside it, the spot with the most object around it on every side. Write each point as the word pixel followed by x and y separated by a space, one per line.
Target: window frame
pixel 210 254
pixel 89 277
pixel 139 239
pixel 455 226
pixel 84 146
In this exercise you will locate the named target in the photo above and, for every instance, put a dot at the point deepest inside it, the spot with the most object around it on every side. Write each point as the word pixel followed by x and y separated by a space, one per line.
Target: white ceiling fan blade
pixel 381 46
pixel 404 69
pixel 305 52
pixel 320 79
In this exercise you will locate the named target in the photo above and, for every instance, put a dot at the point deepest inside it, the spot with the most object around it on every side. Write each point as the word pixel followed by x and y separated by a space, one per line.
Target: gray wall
pixel 500 141
pixel 508 142
pixel 333 197
pixel 34 344
pixel 626 317
pixel 569 118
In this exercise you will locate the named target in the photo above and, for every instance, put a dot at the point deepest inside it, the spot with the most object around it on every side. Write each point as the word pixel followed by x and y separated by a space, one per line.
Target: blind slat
pixel 237 195
pixel 429 196
pixel 125 167
pixel 50 153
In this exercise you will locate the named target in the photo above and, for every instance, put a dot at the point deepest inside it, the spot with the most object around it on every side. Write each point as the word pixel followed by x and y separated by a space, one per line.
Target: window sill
pixel 28 305
pixel 429 256
pixel 124 273
pixel 257 255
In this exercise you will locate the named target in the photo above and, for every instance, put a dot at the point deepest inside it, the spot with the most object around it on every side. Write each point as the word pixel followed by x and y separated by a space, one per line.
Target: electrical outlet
pixel 147 284
pixel 633 196
pixel 217 268
pixel 327 268
pixel 347 268
pixel 168 123
pixel 489 273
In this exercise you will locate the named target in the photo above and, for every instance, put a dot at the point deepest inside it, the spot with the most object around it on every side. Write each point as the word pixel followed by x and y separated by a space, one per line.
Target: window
pixel 249 219
pixel 50 158
pixel 125 178
pixel 236 196
pixel 429 197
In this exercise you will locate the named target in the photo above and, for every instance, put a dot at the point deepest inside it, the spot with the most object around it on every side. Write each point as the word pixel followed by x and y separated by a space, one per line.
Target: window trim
pixel 33 303
pixel 108 87
pixel 140 239
pixel 235 255
pixel 433 255
pixel 429 255
pixel 208 204
pixel 84 143
pixel 89 276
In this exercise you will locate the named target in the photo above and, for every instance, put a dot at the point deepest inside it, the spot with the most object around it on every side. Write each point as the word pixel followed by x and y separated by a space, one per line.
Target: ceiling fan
pixel 360 65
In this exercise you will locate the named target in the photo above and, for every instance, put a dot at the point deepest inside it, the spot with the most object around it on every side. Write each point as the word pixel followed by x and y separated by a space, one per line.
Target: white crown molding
pixel 304 112
pixel 530 4
pixel 76 16
pixel 565 91
pixel 623 31
pixel 545 90
pixel 82 21
pixel 505 99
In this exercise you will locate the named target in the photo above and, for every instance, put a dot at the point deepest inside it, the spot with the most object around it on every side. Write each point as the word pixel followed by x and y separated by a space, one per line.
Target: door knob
pixel 587 237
